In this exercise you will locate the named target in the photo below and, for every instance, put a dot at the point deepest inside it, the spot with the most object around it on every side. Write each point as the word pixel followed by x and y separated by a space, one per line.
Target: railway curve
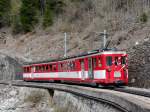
pixel 122 101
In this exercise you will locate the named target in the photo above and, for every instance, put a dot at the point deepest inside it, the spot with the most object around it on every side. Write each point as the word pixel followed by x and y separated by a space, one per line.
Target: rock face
pixel 139 65
pixel 9 68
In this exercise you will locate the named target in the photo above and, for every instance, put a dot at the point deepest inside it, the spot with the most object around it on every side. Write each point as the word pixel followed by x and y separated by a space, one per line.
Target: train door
pixel 90 68
pixel 82 69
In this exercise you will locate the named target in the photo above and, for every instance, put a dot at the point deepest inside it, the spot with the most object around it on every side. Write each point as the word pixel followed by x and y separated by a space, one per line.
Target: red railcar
pixel 101 67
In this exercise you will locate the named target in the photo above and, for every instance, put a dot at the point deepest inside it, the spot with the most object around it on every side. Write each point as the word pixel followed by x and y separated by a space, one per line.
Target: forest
pixel 25 15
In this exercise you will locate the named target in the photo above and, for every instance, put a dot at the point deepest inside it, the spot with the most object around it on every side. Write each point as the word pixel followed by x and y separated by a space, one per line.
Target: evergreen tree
pixel 52 8
pixel 4 12
pixel 48 14
pixel 28 14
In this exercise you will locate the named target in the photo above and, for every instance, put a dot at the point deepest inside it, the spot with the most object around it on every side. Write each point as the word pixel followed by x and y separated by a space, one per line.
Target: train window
pixel 39 68
pixel 68 65
pixel 36 68
pixel 99 62
pixel 47 68
pixel 123 60
pixel 24 69
pixel 54 67
pixel 43 68
pixel 72 65
pixel 59 67
pixel 109 60
pixel 116 60
pixel 62 66
pixel 28 69
pixel 50 66
pixel 94 62
pixel 65 66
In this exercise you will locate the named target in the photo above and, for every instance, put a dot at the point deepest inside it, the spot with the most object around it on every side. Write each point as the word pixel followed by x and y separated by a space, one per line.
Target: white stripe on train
pixel 99 74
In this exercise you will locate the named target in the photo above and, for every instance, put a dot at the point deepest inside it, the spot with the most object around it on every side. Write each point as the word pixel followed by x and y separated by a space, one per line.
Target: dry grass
pixel 34 97
pixel 62 109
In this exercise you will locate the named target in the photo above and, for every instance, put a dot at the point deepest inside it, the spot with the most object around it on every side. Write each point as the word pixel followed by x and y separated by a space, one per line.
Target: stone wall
pixel 139 65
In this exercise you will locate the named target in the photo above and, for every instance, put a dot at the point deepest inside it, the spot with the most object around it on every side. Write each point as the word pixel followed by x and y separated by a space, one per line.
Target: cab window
pixel 123 60
pixel 109 60
pixel 116 60
pixel 99 62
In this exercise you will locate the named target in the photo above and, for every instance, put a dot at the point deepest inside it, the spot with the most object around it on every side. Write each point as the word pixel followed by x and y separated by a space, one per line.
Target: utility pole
pixel 105 36
pixel 65 54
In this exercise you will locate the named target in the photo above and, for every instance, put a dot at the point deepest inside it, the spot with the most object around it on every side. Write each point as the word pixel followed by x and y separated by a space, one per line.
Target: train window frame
pixel 109 60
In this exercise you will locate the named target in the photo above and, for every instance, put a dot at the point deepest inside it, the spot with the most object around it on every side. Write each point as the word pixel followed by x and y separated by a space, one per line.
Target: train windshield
pixel 109 60
pixel 123 60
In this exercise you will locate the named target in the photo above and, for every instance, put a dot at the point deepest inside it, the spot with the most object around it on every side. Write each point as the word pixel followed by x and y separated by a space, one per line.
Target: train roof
pixel 98 51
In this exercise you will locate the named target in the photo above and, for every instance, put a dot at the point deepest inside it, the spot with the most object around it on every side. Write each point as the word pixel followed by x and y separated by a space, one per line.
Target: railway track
pixel 130 90
pixel 87 92
pixel 135 91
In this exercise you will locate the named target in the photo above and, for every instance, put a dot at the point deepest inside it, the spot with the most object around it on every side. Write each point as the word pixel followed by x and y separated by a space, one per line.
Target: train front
pixel 116 68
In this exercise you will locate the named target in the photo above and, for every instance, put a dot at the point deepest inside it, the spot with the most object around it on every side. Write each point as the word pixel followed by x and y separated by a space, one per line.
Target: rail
pixel 135 91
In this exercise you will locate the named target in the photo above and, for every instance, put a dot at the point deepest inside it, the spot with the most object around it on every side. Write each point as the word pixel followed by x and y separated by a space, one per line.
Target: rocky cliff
pixel 10 69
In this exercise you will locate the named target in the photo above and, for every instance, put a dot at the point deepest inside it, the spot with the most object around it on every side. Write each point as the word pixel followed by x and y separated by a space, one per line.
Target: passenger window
pixel 50 66
pixel 59 67
pixel 47 68
pixel 54 67
pixel 123 60
pixel 116 60
pixel 36 68
pixel 43 68
pixel 109 60
pixel 28 70
pixel 99 62
pixel 25 70
pixel 94 62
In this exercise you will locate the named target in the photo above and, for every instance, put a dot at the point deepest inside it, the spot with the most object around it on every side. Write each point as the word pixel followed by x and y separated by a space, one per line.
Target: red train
pixel 102 67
